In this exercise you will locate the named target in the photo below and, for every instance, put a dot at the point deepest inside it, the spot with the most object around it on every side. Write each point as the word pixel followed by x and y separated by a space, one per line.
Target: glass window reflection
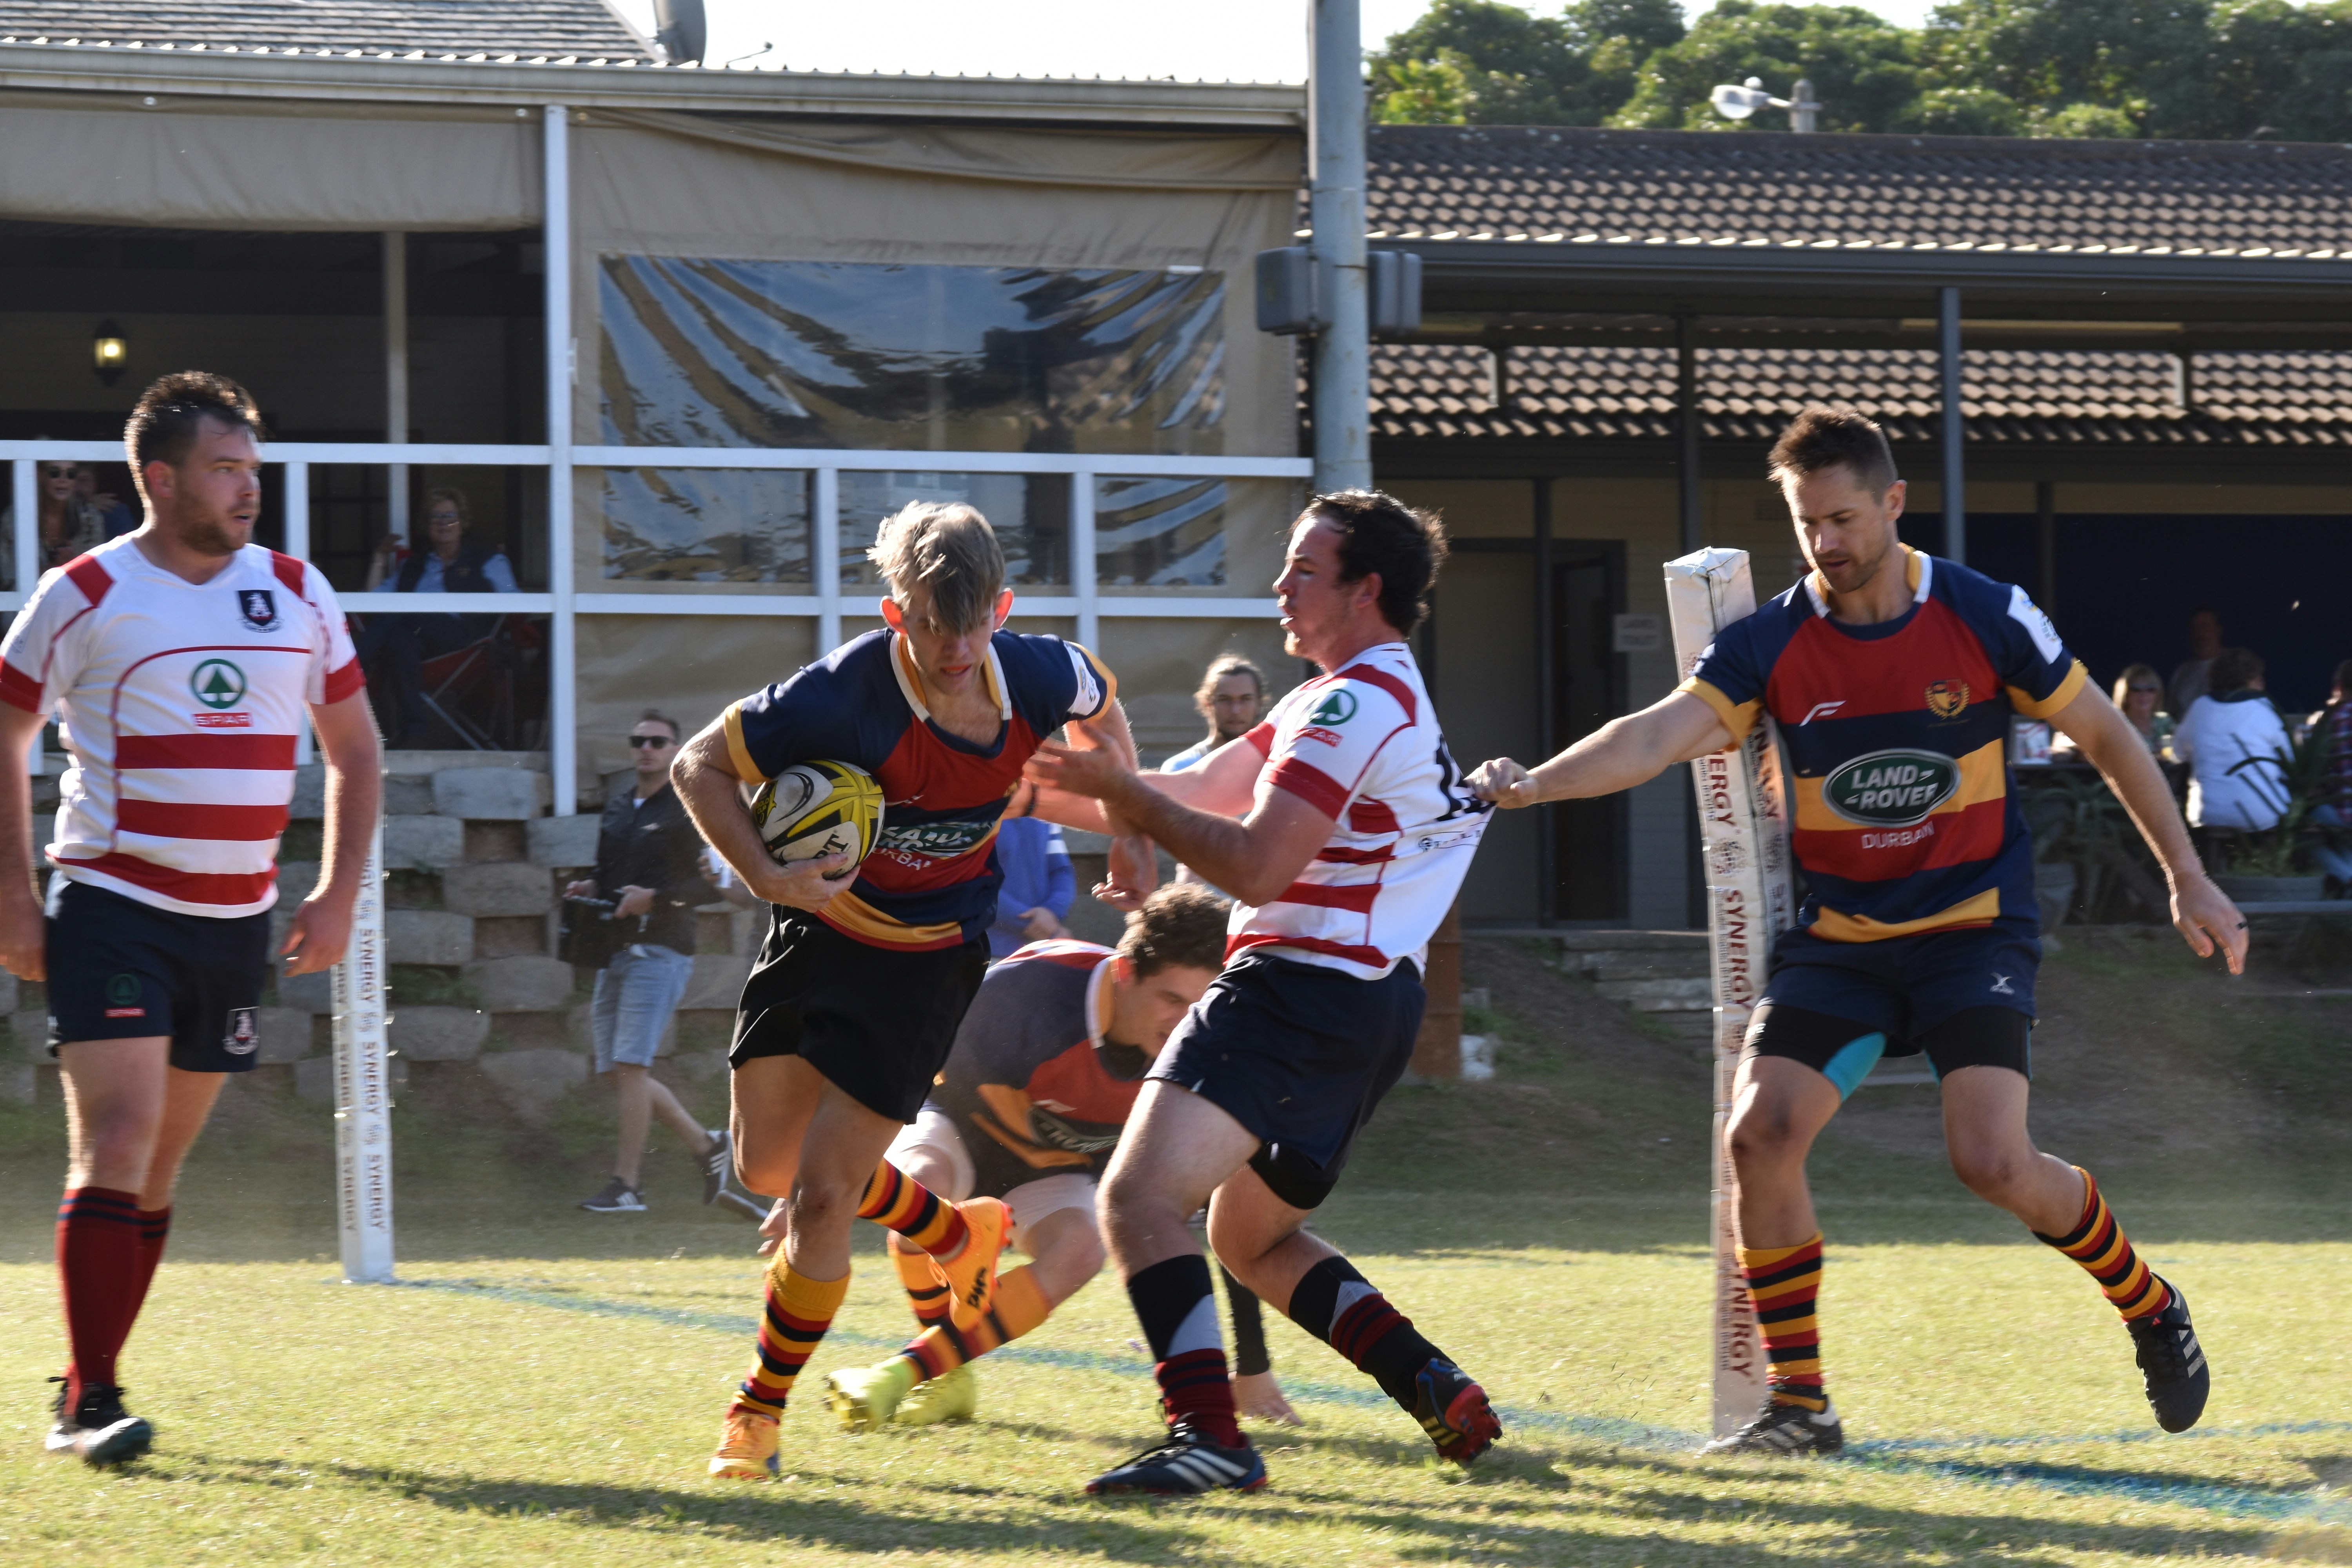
pixel 1160 533
pixel 1031 514
pixel 706 525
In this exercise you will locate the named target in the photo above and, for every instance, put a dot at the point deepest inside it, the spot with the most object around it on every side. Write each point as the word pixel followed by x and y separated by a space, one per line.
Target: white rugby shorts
pixel 935 1132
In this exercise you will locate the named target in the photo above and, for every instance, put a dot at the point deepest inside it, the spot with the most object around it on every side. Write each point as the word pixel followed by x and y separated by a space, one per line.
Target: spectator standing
pixel 1232 698
pixel 649 860
pixel 2236 747
pixel 397 646
pixel 2334 809
pixel 1038 885
pixel 2193 678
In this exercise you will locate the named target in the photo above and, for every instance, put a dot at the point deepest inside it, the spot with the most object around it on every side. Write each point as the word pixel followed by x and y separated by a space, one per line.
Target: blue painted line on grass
pixel 1894 1455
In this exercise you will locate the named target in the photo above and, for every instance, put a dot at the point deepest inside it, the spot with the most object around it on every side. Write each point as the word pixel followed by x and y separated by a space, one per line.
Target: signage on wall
pixel 1636 634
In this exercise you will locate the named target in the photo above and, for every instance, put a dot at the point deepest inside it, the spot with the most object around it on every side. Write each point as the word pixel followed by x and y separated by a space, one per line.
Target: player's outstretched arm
pixel 1622 753
pixel 705 776
pixel 322 926
pixel 1132 870
pixel 2201 912
pixel 24 934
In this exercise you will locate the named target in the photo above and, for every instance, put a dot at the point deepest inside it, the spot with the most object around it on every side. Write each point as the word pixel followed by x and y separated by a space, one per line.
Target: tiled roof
pixel 432 29
pixel 2265 198
pixel 2010 396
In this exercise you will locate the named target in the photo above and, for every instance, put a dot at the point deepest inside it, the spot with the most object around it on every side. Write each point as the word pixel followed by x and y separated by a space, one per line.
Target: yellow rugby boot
pixel 747 1448
pixel 865 1397
pixel 953 1395
pixel 970 1275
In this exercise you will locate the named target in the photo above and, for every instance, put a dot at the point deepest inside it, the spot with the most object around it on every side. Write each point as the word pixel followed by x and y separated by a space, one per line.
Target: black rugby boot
pixel 1783 1429
pixel 2172 1362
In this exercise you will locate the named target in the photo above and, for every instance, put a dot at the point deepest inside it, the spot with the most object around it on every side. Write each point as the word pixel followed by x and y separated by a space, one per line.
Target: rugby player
pixel 1043 1074
pixel 1344 827
pixel 1892 677
pixel 182 660
pixel 861 982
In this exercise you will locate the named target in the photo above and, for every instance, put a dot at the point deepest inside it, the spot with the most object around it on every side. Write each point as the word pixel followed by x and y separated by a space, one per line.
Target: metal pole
pixel 1082 558
pixel 562 351
pixel 1686 426
pixel 1546 707
pixel 295 477
pixel 1956 510
pixel 363 1087
pixel 2045 507
pixel 827 569
pixel 395 375
pixel 24 508
pixel 1343 446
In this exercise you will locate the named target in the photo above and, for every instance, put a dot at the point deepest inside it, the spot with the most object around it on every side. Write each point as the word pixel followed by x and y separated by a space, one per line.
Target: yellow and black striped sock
pixel 799 1311
pixel 924 1294
pixel 1020 1306
pixel 2099 1244
pixel 1784 1282
pixel 898 1202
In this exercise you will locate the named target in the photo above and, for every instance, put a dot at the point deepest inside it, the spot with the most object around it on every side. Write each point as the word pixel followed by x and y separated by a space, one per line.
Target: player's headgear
pixel 1823 438
pixel 164 422
pixel 1182 925
pixel 949 549
pixel 1404 544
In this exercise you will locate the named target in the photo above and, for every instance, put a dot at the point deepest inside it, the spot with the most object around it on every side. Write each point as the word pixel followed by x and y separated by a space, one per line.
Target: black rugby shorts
pixel 122 969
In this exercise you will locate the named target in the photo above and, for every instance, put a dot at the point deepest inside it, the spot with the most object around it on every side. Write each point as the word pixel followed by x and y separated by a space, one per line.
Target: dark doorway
pixel 1587 593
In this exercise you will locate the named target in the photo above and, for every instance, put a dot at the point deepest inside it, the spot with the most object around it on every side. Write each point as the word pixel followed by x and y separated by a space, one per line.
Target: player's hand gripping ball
pixel 813 809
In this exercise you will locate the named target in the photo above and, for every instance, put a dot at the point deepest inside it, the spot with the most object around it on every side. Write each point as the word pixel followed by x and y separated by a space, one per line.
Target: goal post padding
pixel 363 1087
pixel 1750 898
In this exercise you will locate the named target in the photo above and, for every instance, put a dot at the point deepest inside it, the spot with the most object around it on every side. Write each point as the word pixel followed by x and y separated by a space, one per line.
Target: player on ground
pixel 1892 677
pixel 182 661
pixel 1045 1070
pixel 1355 830
pixel 860 984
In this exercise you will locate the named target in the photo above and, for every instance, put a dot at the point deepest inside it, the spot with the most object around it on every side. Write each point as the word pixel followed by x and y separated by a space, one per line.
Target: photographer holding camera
pixel 649 869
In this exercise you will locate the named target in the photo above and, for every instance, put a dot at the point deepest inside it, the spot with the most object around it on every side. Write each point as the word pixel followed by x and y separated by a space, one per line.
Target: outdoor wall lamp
pixel 110 352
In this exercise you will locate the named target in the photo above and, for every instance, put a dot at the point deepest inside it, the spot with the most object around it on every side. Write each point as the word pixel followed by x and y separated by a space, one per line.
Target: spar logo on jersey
pixel 259 606
pixel 1947 699
pixel 1891 789
pixel 217 684
pixel 1337 707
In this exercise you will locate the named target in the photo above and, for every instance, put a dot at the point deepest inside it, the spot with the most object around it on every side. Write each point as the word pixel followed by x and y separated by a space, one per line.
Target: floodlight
pixel 1740 102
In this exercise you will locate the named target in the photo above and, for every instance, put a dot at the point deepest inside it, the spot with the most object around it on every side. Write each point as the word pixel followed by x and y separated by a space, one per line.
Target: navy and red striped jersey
pixel 931 879
pixel 1897 738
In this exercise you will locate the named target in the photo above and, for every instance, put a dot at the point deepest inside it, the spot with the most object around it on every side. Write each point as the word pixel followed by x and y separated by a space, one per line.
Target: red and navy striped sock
pixel 1178 1309
pixel 97 1269
pixel 1339 1307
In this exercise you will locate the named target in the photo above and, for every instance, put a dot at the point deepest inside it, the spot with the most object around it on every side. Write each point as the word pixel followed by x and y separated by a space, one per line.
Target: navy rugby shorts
pixel 122 969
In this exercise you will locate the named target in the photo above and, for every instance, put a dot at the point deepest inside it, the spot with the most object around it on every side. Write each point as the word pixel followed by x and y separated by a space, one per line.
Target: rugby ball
pixel 812 809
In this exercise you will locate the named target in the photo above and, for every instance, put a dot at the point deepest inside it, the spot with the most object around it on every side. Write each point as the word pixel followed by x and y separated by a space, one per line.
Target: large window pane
pixel 1211 536
pixel 704 353
pixel 502 511
pixel 706 525
pixel 1031 514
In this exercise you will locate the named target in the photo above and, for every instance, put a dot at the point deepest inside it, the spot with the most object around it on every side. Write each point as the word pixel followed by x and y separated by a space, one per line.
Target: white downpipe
pixel 1336 164
pixel 1082 559
pixel 826 568
pixel 363 1087
pixel 562 674
pixel 295 477
pixel 25 509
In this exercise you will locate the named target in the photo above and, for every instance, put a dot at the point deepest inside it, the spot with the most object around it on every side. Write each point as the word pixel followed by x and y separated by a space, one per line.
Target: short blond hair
pixel 949 549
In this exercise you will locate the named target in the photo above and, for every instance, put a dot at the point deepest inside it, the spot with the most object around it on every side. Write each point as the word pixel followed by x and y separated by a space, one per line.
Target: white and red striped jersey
pixel 180 702
pixel 1362 746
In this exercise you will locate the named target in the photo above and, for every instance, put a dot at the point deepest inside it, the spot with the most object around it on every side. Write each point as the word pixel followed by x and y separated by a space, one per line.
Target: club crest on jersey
pixel 1892 788
pixel 217 684
pixel 1335 708
pixel 1947 699
pixel 259 606
pixel 244 1032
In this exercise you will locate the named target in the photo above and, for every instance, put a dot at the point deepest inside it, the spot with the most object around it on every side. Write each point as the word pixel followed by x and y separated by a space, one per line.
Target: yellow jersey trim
pixel 737 751
pixel 1984 775
pixel 1738 716
pixel 1832 926
pixel 2068 690
pixel 853 916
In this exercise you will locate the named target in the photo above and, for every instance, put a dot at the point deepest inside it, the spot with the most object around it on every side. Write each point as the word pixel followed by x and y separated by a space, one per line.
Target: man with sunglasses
pixel 650 862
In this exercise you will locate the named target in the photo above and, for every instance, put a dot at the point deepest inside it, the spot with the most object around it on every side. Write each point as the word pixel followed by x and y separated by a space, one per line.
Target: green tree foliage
pixel 1481 62
pixel 1862 68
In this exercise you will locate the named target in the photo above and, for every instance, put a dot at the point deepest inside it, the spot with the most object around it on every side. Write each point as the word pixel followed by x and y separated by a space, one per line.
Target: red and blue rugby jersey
pixel 1897 737
pixel 931 880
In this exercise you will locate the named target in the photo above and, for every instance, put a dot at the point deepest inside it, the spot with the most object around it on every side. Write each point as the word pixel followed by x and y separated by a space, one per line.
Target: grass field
pixel 547 1383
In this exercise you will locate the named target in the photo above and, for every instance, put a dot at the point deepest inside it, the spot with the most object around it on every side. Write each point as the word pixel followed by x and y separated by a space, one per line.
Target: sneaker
pixel 618 1197
pixel 1454 1412
pixel 98 1432
pixel 717 1164
pixel 62 1427
pixel 1188 1463
pixel 950 1396
pixel 747 1448
pixel 2172 1362
pixel 970 1275
pixel 1785 1429
pixel 865 1397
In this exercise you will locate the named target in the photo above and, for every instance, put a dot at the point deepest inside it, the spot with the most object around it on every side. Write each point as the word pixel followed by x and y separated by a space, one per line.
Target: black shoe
pixel 2172 1362
pixel 618 1197
pixel 1187 1464
pixel 717 1164
pixel 1784 1429
pixel 1453 1411
pixel 62 1427
pixel 99 1432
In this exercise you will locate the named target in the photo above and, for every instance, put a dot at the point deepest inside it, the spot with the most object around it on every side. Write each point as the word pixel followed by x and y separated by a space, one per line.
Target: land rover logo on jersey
pixel 217 684
pixel 1891 789
pixel 1336 709
pixel 259 608
pixel 1947 699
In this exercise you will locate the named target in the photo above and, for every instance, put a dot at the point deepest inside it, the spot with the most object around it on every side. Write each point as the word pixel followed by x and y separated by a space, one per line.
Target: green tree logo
pixel 1334 709
pixel 217 684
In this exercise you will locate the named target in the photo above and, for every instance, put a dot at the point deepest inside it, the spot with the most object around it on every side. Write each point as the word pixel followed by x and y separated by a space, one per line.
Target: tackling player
pixel 1892 677
pixel 182 661
pixel 853 1001
pixel 1356 829
pixel 1043 1073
